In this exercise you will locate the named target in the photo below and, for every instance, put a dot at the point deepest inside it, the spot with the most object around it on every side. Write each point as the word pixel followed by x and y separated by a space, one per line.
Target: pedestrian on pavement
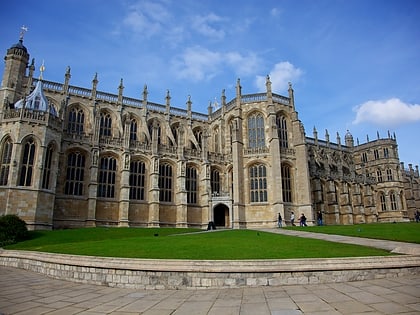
pixel 292 218
pixel 302 220
pixel 279 221
pixel 417 216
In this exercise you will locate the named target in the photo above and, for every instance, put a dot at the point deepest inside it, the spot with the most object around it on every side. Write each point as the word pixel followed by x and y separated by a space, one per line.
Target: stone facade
pixel 79 157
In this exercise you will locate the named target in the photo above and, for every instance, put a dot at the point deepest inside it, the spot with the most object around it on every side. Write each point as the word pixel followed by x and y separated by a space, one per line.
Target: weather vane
pixel 23 30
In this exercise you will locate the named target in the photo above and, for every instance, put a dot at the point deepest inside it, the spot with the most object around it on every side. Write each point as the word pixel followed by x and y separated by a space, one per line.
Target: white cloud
pixel 205 25
pixel 390 112
pixel 199 63
pixel 282 73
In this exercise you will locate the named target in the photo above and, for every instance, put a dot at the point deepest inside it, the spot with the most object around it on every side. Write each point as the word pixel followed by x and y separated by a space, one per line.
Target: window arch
pixel 393 199
pixel 105 125
pixel 76 121
pixel 286 181
pixel 137 180
pixel 155 124
pixel 191 185
pixel 282 131
pixel 165 182
pixel 46 172
pixel 28 162
pixel 215 181
pixel 107 175
pixel 389 174
pixel 256 136
pixel 258 183
pixel 379 176
pixel 216 140
pixel 382 200
pixel 133 129
pixel 75 174
pixel 5 162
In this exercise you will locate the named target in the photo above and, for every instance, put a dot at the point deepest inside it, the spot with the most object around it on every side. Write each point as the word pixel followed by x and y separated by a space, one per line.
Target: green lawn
pixel 167 243
pixel 403 232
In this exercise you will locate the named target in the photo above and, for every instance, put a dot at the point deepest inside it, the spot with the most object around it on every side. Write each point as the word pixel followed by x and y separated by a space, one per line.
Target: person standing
pixel 292 218
pixel 319 217
pixel 279 221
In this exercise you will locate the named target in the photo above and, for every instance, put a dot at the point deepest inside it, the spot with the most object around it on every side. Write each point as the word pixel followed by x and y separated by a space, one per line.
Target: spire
pixel 94 85
pixel 41 70
pixel 23 30
pixel 291 95
pixel 145 93
pixel 238 88
pixel 120 91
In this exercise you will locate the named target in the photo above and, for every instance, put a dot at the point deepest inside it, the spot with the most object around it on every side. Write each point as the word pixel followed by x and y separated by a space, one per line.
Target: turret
pixel 14 80
pixel 349 139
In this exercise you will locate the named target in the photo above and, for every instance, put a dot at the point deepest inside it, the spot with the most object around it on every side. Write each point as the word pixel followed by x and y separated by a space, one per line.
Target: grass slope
pixel 402 232
pixel 167 243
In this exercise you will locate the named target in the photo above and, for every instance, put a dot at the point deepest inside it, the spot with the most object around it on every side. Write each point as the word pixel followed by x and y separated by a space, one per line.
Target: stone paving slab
pixel 19 295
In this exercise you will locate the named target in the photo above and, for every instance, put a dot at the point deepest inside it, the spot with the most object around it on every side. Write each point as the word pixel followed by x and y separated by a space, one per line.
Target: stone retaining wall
pixel 177 274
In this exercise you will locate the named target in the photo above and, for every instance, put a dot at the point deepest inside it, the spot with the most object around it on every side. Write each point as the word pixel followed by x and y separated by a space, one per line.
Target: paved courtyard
pixel 25 292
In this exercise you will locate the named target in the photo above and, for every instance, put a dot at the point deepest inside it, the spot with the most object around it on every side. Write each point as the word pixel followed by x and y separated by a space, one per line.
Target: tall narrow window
pixel 389 174
pixel 258 183
pixel 216 140
pixel 165 182
pixel 379 176
pixel 386 153
pixel 256 136
pixel 107 175
pixel 376 154
pixel 137 180
pixel 364 157
pixel 27 166
pixel 6 158
pixel 215 181
pixel 286 181
pixel 46 174
pixel 133 130
pixel 76 121
pixel 75 174
pixel 393 199
pixel 282 131
pixel 105 125
pixel 191 185
pixel 382 200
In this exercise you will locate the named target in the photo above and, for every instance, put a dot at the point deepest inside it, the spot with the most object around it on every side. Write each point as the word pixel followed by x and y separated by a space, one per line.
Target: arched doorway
pixel 221 215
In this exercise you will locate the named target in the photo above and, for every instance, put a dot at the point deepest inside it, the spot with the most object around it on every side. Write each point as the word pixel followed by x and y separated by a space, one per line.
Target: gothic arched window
pixel 75 174
pixel 256 136
pixel 46 174
pixel 215 181
pixel 28 161
pixel 137 180
pixel 282 131
pixel 5 162
pixel 165 182
pixel 76 121
pixel 286 181
pixel 382 200
pixel 393 199
pixel 258 183
pixel 133 130
pixel 105 125
pixel 191 185
pixel 107 175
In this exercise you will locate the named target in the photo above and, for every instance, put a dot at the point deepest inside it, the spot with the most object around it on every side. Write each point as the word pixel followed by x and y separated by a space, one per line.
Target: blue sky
pixel 354 64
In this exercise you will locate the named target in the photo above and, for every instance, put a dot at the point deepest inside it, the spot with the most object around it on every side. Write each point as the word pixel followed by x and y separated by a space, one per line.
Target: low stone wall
pixel 177 274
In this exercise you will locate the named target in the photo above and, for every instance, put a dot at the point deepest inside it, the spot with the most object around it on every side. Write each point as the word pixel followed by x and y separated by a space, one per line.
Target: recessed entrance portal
pixel 221 215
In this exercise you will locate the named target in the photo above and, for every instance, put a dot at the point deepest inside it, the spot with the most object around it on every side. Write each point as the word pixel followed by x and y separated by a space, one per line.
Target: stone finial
pixel 145 93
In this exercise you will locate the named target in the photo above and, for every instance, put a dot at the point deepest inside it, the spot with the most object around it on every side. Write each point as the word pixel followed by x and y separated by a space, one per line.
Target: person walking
pixel 279 221
pixel 303 220
pixel 292 218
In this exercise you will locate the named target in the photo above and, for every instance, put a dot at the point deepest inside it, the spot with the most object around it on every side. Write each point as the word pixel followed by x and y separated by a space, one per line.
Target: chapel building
pixel 79 157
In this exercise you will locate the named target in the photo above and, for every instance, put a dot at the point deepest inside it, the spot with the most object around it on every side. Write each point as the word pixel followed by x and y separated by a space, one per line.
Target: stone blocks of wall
pixel 177 274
